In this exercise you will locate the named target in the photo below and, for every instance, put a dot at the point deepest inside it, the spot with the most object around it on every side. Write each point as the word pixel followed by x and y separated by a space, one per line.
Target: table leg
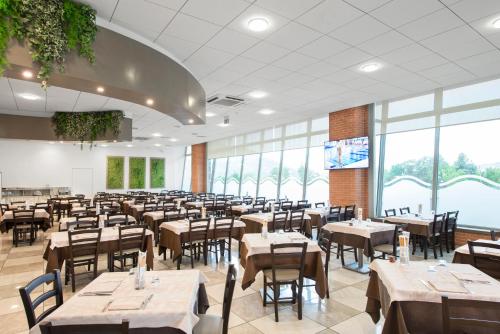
pixel 359 266
pixel 425 247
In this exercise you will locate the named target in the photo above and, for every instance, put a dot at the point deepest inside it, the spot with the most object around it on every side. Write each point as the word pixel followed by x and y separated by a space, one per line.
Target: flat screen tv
pixel 346 153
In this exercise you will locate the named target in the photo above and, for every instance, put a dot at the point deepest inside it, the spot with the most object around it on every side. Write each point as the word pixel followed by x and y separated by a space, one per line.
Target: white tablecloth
pixel 60 239
pixel 182 226
pixel 39 214
pixel 404 282
pixel 266 217
pixel 172 303
pixel 322 212
pixel 410 219
pixel 362 228
pixel 157 215
pixel 63 223
pixel 256 244
pixel 481 250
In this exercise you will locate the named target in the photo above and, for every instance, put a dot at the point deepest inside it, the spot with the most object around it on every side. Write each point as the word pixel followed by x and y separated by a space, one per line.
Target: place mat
pixel 102 288
pixel 471 277
pixel 128 303
pixel 447 286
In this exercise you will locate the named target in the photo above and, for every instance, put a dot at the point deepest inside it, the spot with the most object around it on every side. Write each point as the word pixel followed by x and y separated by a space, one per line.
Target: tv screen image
pixel 347 153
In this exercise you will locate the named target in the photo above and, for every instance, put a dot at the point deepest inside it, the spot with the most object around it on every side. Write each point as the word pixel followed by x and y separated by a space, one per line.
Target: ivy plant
pixel 50 28
pixel 86 126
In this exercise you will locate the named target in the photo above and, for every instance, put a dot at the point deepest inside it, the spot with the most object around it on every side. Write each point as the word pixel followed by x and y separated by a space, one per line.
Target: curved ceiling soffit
pixel 127 70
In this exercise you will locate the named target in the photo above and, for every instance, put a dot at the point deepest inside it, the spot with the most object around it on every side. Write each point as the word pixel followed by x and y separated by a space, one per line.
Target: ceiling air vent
pixel 226 101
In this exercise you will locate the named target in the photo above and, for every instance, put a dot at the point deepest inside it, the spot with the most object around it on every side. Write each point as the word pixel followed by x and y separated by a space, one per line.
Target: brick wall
pixel 349 186
pixel 461 236
pixel 199 167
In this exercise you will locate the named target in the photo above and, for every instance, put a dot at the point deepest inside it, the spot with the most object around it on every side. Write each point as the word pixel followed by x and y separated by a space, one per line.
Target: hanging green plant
pixel 51 28
pixel 86 126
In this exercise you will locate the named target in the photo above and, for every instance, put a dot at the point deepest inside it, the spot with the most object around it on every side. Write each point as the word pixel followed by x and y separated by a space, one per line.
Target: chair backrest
pixel 277 206
pixel 260 199
pixel 279 221
pixel 84 243
pixel 115 219
pixel 482 260
pixel 438 223
pixel 192 213
pixel 228 297
pixel 296 219
pixel 229 197
pixel 30 305
pixel 404 210
pixel 150 207
pixel 302 204
pixel 286 205
pixel 319 204
pixel 455 317
pixel 349 212
pixel 335 211
pixel 198 229
pixel 288 256
pixel 84 222
pixel 247 200
pixel 325 240
pixel 390 212
pixel 131 237
pixel 224 226
pixel 123 328
pixel 258 206
pixel 451 220
pixel 23 216
pixel 208 203
pixel 3 208
pixel 493 235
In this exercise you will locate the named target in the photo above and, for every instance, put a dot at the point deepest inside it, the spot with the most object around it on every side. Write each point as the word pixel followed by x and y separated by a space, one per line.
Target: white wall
pixel 38 164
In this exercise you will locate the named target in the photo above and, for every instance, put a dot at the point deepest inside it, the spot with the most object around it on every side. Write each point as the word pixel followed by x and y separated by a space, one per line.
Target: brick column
pixel 349 186
pixel 199 167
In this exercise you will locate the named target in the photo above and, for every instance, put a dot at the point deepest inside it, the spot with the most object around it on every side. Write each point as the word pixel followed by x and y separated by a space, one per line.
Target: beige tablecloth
pixel 254 222
pixel 42 219
pixel 63 223
pixel 489 265
pixel 415 225
pixel 174 304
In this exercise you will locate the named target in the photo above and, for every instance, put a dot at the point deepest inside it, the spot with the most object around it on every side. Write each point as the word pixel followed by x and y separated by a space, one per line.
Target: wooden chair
pixel 404 211
pixel 131 240
pixel 223 234
pixel 213 324
pixel 276 205
pixel 390 212
pixel 260 199
pixel 484 261
pixel 349 212
pixel 85 222
pixel 286 205
pixel 279 222
pixel 303 204
pixel 30 305
pixel 257 207
pixel 116 219
pixel 24 228
pixel 335 214
pixel 287 268
pixel 123 328
pixel 197 239
pixel 455 319
pixel 247 200
pixel 4 208
pixel 319 205
pixel 450 226
pixel 325 241
pixel 83 251
pixel 434 239
pixel 388 249
pixel 296 221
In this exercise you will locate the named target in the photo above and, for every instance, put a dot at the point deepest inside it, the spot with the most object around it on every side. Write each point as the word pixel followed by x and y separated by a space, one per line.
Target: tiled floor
pixel 343 313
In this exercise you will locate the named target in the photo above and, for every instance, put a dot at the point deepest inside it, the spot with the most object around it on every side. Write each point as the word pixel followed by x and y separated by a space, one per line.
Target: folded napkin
pixel 129 303
pixel 102 288
pixel 447 286
pixel 471 277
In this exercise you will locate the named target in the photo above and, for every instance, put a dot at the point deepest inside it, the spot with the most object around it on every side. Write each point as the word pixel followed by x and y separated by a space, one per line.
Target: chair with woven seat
pixel 485 259
pixel 450 226
pixel 287 268
pixel 390 212
pixel 335 214
pixel 30 304
pixel 214 324
pixel 223 232
pixel 388 248
pixel 296 221
pixel 456 320
pixel 130 242
pixel 24 228
pixel 279 222
pixel 83 251
pixel 123 328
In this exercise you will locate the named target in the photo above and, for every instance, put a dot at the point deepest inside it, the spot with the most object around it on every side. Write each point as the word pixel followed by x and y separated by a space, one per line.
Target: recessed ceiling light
pixel 100 89
pixel 29 96
pixel 370 67
pixel 156 134
pixel 150 102
pixel 209 114
pixel 104 145
pixel 27 74
pixel 157 145
pixel 130 145
pixel 190 121
pixel 257 94
pixel 496 24
pixel 173 139
pixel 61 142
pixel 266 111
pixel 258 24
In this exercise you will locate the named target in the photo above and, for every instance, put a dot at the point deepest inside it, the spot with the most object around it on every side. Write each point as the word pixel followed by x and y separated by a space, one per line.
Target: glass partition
pixel 292 174
pixel 233 176
pixel 250 175
pixel 219 179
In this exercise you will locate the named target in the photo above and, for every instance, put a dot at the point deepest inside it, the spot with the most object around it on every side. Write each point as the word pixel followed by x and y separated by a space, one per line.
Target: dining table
pixel 490 257
pixel 256 256
pixel 153 219
pixel 169 303
pixel 173 234
pixel 409 295
pixel 363 236
pixel 42 220
pixel 255 221
pixel 58 250
pixel 416 224
pixel 319 217
pixel 68 221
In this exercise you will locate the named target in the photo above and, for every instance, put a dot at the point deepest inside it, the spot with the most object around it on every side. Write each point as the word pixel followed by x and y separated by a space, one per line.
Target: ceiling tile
pixel 323 47
pixel 360 30
pixel 399 12
pixel 428 61
pixel 265 52
pixel 389 41
pixel 485 64
pixel 220 12
pixel 319 69
pixel 294 61
pixel 172 4
pixel 232 41
pixel 144 18
pixel 458 43
pixel 178 47
pixel 90 102
pixel 295 79
pixel 430 25
pixel 485 27
pixel 104 8
pixel 243 65
pixel 471 10
pixel 291 10
pixel 191 29
pixel 348 58
pixel 271 72
pixel 406 54
pixel 212 57
pixel 7 101
pixel 367 6
pixel 293 36
pixel 61 99
pixel 341 76
pixel 329 15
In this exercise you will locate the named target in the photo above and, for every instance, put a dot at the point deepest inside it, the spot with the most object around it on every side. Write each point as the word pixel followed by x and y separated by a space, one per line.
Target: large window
pixel 408 171
pixel 469 172
pixel 233 176
pixel 292 174
pixel 219 179
pixel 250 175
pixel 269 174
pixel 317 176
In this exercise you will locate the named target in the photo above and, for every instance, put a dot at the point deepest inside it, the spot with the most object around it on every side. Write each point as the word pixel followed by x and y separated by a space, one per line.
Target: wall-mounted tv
pixel 346 153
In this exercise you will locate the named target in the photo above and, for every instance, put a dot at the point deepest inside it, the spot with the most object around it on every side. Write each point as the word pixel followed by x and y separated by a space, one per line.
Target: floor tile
pixel 360 324
pixel 289 323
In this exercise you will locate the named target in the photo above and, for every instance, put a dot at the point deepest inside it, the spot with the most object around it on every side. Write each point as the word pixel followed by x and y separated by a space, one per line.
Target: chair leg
pixel 453 240
pixel 433 243
pixel 446 242
pixel 73 287
pixel 275 300
pixel 299 299
pixel 440 246
pixel 342 254
pixel 355 254
pixel 229 249
pixel 264 297
pixel 216 243
pixel 191 255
